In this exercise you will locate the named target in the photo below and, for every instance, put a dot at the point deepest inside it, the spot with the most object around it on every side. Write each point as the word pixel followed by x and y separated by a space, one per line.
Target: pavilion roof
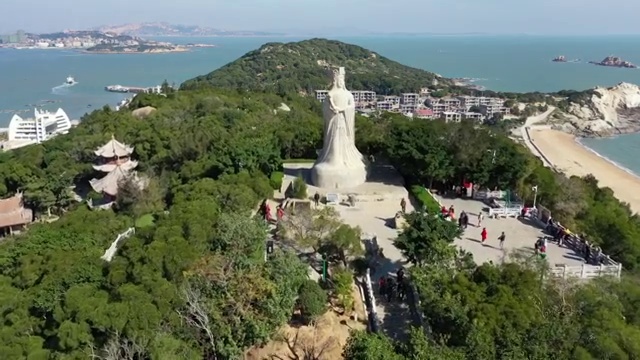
pixel 110 183
pixel 13 212
pixel 114 148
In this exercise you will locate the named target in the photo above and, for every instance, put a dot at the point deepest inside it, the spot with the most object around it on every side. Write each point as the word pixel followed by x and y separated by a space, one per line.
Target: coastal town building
pixel 364 96
pixel 393 99
pixel 409 98
pixel 321 94
pixel 473 116
pixel 493 108
pixel 43 126
pixel 423 113
pixel 384 105
pixel 114 159
pixel 14 216
pixel 408 108
pixel 451 116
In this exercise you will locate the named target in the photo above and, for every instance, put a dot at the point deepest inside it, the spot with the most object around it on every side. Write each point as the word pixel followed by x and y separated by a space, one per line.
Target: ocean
pixel 31 78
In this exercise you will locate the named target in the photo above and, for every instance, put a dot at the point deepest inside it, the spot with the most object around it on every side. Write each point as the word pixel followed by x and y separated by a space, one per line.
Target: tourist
pixel 587 252
pixel 389 288
pixel 403 205
pixel 501 238
pixel 483 235
pixel 381 285
pixel 480 217
pixel 316 199
pixel 465 219
pixel 400 275
pixel 267 213
pixel 280 212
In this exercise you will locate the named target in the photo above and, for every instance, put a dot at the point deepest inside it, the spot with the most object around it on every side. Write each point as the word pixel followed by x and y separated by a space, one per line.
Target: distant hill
pixel 301 67
pixel 166 29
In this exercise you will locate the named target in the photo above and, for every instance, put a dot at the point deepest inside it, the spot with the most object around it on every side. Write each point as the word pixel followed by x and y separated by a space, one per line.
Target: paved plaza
pixel 521 236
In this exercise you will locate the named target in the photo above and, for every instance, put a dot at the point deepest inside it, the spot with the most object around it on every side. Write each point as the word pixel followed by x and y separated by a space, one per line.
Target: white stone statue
pixel 340 164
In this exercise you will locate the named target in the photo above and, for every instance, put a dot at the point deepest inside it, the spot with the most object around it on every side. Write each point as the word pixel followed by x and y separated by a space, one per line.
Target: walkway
pixel 378 202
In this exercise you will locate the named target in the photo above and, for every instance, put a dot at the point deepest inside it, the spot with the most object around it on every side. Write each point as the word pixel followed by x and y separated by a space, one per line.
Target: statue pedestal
pixel 329 176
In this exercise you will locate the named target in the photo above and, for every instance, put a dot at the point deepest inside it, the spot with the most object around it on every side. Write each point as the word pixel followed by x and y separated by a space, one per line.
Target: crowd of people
pixel 391 288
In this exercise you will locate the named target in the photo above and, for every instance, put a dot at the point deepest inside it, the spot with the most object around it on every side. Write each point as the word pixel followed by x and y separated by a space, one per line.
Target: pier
pixel 134 89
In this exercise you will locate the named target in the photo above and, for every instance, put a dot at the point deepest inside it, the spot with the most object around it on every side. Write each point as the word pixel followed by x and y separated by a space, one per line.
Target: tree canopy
pixel 192 282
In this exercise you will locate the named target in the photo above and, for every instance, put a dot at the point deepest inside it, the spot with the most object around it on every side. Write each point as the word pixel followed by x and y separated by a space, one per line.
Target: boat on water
pixel 70 81
pixel 614 61
pixel 560 58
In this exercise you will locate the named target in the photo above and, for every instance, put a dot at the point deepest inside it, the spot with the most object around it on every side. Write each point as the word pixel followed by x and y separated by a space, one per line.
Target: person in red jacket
pixel 483 235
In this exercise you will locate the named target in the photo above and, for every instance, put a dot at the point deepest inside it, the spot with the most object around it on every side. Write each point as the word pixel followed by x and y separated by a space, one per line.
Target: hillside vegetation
pixel 300 67
pixel 193 283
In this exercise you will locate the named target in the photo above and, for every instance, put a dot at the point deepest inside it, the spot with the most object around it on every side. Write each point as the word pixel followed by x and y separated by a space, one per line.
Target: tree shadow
pixel 388 222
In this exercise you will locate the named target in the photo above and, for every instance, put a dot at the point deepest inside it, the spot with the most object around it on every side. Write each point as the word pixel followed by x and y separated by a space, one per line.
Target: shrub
pixel 299 190
pixel 426 201
pixel 312 300
pixel 275 180
pixel 343 280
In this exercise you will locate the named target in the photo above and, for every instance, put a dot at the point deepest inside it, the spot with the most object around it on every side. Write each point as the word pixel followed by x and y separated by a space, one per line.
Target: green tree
pixel 370 346
pixel 312 300
pixel 427 239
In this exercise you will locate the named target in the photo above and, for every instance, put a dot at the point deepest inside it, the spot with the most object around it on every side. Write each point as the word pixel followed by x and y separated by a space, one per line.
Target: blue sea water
pixel 504 63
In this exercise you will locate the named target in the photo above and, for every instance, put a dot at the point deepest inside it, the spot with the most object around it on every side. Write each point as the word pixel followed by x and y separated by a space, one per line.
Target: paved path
pixel 374 218
pixel 520 236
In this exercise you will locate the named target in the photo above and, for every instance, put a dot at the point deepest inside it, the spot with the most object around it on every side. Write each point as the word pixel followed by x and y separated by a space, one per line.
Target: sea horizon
pixel 510 63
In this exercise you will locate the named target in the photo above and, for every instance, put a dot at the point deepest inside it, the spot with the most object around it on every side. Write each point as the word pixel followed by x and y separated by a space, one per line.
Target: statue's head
pixel 337 74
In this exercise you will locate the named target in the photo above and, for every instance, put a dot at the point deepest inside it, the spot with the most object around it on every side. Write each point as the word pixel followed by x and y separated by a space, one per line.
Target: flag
pixel 534 188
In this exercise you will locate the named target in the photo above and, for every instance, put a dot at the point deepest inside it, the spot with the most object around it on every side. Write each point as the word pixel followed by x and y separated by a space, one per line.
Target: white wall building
pixel 40 128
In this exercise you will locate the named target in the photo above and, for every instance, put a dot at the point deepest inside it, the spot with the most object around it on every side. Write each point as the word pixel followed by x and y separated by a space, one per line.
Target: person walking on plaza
pixel 480 217
pixel 403 205
pixel 501 238
pixel 483 235
pixel 316 199
pixel 381 285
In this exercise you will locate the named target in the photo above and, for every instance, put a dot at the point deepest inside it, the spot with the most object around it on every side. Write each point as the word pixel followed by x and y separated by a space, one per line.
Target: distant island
pixel 614 61
pixel 166 29
pixel 91 41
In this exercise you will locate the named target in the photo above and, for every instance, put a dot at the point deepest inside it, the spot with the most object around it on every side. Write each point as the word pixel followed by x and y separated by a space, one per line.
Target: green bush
pixel 299 190
pixel 312 300
pixel 275 180
pixel 425 200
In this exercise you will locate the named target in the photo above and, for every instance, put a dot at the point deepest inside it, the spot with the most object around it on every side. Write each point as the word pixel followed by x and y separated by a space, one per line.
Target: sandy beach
pixel 568 156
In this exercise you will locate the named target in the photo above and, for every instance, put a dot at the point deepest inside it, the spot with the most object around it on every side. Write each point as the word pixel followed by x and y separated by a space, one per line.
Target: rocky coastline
pixel 610 112
pixel 177 49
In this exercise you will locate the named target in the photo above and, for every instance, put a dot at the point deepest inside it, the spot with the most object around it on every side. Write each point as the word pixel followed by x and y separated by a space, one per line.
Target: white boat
pixel 70 81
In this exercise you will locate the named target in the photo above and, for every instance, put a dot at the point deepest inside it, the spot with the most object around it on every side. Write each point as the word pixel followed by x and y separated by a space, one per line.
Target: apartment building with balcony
pixel 384 105
pixel 321 94
pixel 451 116
pixel 492 109
pixel 473 116
pixel 364 96
pixel 409 98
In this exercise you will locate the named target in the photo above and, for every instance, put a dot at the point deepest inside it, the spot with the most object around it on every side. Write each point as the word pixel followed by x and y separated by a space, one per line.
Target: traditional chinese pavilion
pixel 13 215
pixel 114 159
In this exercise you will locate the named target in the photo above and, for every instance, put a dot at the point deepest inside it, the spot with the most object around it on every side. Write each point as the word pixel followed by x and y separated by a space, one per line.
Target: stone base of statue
pixel 327 175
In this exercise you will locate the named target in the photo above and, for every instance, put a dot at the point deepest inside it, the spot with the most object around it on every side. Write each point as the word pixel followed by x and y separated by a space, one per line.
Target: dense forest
pixel 210 155
pixel 300 67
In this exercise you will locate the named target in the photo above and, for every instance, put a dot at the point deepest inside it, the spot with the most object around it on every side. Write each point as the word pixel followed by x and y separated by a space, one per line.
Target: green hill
pixel 301 67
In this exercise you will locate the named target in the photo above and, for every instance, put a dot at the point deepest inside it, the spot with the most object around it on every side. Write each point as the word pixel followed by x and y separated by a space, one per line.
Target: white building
pixel 321 94
pixel 42 127
pixel 409 98
pixel 450 116
pixel 362 96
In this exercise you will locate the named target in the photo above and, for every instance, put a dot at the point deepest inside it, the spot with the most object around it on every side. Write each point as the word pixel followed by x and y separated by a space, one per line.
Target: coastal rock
pixel 611 110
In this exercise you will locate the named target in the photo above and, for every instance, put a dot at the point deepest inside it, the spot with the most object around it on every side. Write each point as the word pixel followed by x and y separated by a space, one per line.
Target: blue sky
pixel 333 16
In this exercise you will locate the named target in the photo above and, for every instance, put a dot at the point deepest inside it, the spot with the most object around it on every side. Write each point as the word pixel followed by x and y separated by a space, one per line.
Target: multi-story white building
pixel 423 113
pixel 393 99
pixel 450 116
pixel 42 127
pixel 409 98
pixel 473 116
pixel 384 105
pixel 451 102
pixel 491 109
pixel 408 108
pixel 364 96
pixel 321 94
pixel 438 109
